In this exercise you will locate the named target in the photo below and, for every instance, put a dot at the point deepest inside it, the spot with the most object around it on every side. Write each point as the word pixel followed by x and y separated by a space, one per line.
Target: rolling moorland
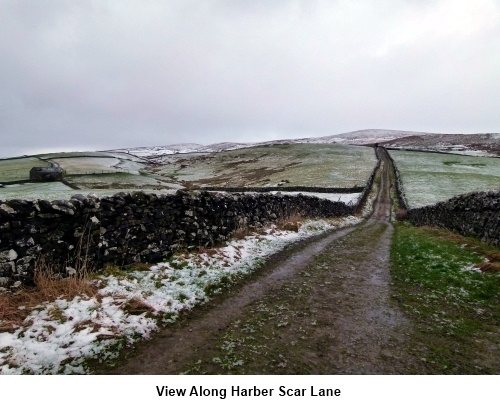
pixel 366 292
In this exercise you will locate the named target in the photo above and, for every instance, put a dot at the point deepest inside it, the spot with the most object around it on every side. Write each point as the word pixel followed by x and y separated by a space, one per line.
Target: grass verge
pixel 454 305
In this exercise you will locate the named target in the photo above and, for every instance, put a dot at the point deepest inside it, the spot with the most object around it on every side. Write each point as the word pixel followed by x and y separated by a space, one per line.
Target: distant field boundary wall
pixel 474 214
pixel 406 149
pixel 365 190
pixel 403 202
pixel 94 173
pixel 136 227
pixel 369 184
pixel 334 190
pixel 11 183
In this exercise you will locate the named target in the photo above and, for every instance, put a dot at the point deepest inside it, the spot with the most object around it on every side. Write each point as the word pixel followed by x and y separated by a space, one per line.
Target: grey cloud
pixel 94 75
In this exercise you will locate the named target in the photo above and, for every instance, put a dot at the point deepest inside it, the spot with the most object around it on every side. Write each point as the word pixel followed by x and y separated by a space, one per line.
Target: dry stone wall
pixel 286 188
pixel 474 214
pixel 135 227
pixel 403 202
pixel 369 185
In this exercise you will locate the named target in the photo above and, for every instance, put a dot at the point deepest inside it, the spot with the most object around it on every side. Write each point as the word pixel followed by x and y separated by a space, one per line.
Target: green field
pixel 117 180
pixel 321 165
pixel 429 178
pixel 83 165
pixel 59 191
pixel 102 173
pixel 19 169
pixel 31 191
pixel 87 172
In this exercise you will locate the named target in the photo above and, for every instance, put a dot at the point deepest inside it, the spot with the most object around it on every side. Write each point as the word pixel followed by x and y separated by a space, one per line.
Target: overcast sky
pixel 88 75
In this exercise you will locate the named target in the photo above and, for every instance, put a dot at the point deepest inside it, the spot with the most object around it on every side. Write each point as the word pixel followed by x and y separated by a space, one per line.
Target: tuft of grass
pixel 51 285
pixel 242 233
pixel 138 267
pixel 208 251
pixel 401 214
pixel 136 306
pixel 112 270
pixel 291 223
pixel 178 264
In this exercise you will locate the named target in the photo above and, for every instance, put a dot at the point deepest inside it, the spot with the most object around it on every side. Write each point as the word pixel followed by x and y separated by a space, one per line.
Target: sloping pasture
pixel 429 178
pixel 105 173
pixel 321 165
pixel 18 169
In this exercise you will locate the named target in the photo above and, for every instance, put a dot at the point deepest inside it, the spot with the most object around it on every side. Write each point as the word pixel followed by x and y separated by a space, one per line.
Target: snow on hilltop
pixel 474 145
pixel 368 136
pixel 161 150
pixel 361 137
pixel 145 151
pixel 354 138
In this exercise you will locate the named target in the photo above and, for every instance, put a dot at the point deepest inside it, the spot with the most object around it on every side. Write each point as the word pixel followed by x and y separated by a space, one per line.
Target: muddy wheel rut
pixel 323 306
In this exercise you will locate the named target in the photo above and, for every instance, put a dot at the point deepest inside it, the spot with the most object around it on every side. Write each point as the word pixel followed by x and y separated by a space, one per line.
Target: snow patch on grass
pixel 59 337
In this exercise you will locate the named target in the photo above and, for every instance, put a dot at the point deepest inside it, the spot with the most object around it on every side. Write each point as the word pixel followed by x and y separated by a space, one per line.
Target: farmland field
pixel 87 165
pixel 117 180
pixel 107 173
pixel 18 169
pixel 59 191
pixel 297 164
pixel 87 172
pixel 47 191
pixel 83 165
pixel 429 178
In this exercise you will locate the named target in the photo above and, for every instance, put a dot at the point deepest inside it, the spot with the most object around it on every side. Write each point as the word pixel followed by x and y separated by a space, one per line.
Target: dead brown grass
pixel 241 233
pixel 489 267
pixel 401 214
pixel 49 285
pixel 291 223
pixel 136 306
pixel 208 251
pixel 14 308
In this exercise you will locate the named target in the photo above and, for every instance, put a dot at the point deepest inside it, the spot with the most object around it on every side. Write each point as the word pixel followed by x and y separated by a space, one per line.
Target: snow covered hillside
pixel 485 144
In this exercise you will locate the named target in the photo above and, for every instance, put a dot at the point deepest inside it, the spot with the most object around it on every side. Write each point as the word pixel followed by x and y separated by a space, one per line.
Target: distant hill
pixel 474 144
pixel 369 136
pixel 469 144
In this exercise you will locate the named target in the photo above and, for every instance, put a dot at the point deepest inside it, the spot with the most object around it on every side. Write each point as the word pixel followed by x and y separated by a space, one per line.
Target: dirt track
pixel 320 307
